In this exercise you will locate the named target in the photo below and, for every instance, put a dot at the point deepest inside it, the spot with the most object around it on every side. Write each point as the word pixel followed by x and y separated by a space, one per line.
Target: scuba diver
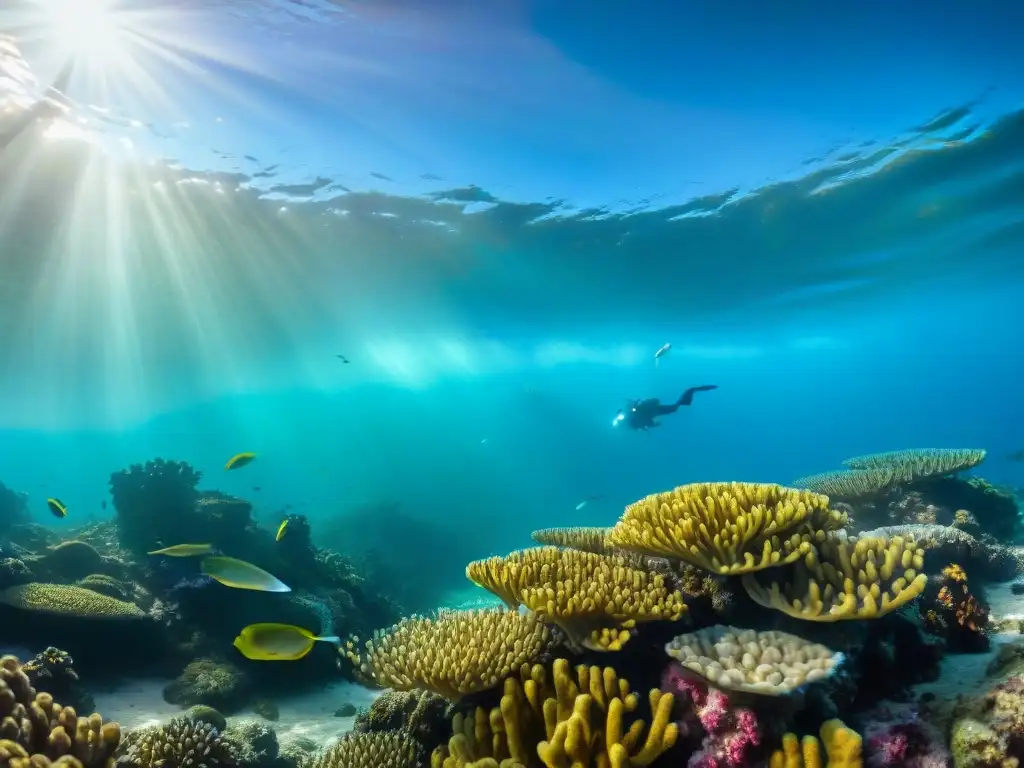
pixel 641 414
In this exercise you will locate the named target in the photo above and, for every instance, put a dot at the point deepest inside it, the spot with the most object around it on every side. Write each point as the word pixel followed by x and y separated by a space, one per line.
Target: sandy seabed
pixel 138 703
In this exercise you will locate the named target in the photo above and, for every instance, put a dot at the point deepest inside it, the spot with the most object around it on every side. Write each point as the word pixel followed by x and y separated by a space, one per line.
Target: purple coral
pixel 727 733
pixel 899 738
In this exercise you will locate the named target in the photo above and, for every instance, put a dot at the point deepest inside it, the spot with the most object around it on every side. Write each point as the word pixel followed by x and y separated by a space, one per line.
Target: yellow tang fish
pixel 57 507
pixel 184 550
pixel 278 642
pixel 241 575
pixel 280 530
pixel 239 460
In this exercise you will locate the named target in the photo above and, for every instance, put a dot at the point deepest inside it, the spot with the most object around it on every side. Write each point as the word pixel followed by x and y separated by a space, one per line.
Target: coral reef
pixel 722 735
pixel 154 503
pixel 845 579
pixel 769 663
pixel 561 719
pixel 843 748
pixel 388 749
pixel 253 743
pixel 726 528
pixel 53 671
pixel 13 509
pixel 35 730
pixel 180 743
pixel 596 600
pixel 585 539
pixel 211 682
pixel 954 612
pixel 452 654
pixel 66 600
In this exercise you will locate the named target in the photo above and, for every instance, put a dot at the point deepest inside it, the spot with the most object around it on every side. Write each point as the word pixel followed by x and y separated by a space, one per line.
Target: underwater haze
pixel 421 254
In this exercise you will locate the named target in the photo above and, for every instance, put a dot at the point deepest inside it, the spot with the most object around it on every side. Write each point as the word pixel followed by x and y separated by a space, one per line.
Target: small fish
pixel 257 488
pixel 239 460
pixel 662 351
pixel 57 507
pixel 278 642
pixel 587 500
pixel 1016 456
pixel 241 575
pixel 184 550
pixel 280 530
pixel 103 504
pixel 343 359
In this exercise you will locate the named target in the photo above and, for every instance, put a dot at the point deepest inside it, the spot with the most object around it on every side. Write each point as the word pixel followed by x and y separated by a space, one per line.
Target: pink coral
pixel 727 733
pixel 896 737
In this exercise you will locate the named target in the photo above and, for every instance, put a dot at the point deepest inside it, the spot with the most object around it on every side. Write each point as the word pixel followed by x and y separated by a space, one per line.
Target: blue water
pixel 498 217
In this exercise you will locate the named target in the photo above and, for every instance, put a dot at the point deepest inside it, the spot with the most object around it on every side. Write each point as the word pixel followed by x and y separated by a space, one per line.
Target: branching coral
pixel 453 653
pixel 386 749
pixel 726 733
pixel 727 528
pixel 846 579
pixel 596 600
pixel 585 539
pixel 917 464
pixel 565 720
pixel 66 600
pixel 181 743
pixel 842 748
pixel 769 663
pixel 35 730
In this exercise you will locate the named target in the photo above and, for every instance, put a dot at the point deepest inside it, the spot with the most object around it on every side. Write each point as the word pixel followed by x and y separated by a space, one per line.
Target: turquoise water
pixel 239 196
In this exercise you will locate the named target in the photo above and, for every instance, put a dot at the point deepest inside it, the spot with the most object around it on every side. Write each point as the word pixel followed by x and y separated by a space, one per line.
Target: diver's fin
pixel 687 397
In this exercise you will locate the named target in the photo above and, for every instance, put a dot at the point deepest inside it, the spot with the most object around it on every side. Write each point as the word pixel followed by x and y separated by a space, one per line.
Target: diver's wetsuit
pixel 642 413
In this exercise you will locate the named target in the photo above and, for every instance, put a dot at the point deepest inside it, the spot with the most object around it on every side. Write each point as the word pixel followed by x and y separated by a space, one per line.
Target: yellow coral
pixel 769 663
pixel 846 579
pixel 954 572
pixel 452 654
pixel 849 483
pixel 386 749
pixel 585 539
pixel 595 599
pixel 727 528
pixel 578 722
pixel 66 600
pixel 842 746
pixel 35 730
pixel 920 463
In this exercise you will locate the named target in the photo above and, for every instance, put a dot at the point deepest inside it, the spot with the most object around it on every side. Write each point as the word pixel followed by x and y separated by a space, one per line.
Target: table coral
pixel 583 538
pixel 844 579
pixel 453 653
pixel 596 600
pixel 67 600
pixel 727 528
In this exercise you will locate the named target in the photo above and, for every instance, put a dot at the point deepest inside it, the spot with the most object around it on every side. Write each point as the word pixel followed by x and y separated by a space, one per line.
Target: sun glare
pixel 85 27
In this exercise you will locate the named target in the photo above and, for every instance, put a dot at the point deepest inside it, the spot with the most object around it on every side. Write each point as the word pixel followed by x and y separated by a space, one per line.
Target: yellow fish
pixel 184 550
pixel 239 460
pixel 57 507
pixel 278 642
pixel 241 575
pixel 280 530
